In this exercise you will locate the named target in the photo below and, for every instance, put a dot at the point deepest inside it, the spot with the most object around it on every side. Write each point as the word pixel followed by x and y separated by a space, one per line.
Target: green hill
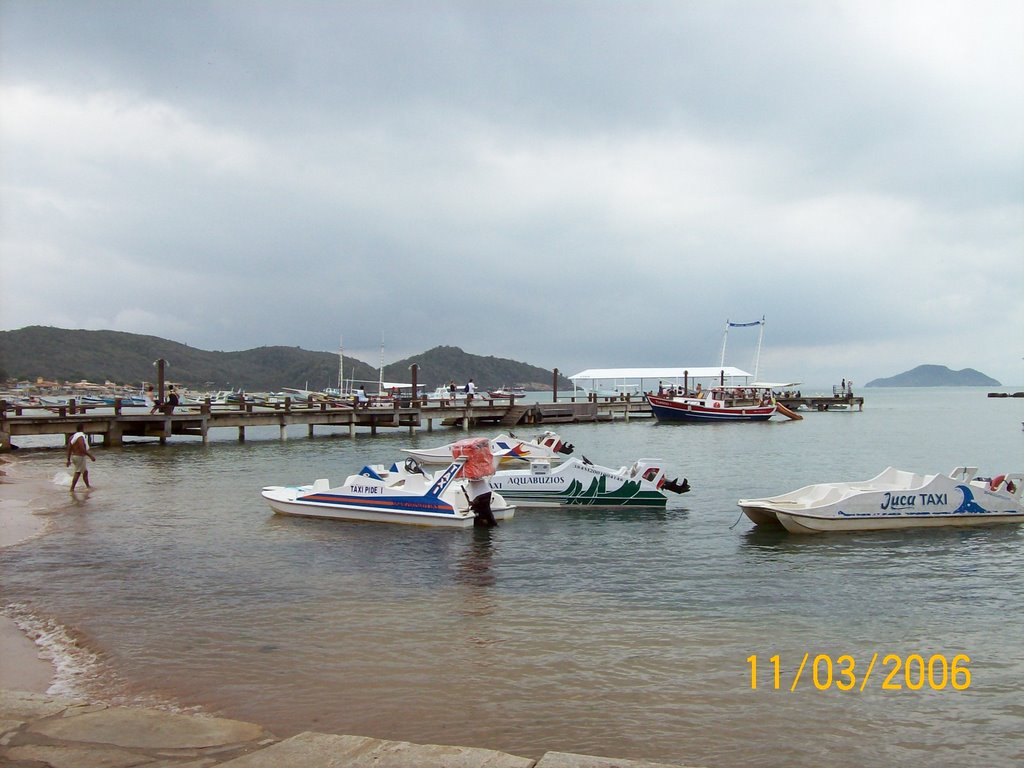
pixel 443 364
pixel 63 355
pixel 936 376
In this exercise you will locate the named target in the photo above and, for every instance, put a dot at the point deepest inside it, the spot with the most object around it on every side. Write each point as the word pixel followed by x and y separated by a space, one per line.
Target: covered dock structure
pixel 606 381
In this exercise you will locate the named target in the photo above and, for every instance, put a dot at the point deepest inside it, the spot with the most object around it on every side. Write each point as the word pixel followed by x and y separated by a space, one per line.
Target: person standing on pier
pixel 78 451
pixel 172 401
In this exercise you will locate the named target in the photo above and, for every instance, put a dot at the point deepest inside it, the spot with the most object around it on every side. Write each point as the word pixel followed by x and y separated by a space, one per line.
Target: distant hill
pixel 936 376
pixel 64 355
pixel 443 364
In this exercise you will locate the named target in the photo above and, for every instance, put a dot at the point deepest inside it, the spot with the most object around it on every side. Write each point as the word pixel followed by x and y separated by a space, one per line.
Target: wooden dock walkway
pixel 111 425
pixel 834 402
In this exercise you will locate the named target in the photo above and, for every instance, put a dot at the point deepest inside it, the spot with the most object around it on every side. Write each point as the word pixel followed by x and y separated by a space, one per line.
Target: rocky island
pixel 936 376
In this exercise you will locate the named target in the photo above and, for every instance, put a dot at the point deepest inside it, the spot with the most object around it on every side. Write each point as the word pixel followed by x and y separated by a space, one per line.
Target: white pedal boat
pixel 894 499
pixel 387 496
pixel 581 483
pixel 506 449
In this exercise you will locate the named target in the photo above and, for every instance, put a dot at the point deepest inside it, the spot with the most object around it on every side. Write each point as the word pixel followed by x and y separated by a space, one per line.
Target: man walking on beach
pixel 78 451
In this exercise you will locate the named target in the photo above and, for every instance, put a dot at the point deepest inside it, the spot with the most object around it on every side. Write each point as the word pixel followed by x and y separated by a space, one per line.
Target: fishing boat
pixel 724 401
pixel 227 397
pixel 506 448
pixel 506 393
pixel 580 482
pixel 404 495
pixel 697 393
pixel 718 403
pixel 126 401
pixel 894 499
pixel 446 396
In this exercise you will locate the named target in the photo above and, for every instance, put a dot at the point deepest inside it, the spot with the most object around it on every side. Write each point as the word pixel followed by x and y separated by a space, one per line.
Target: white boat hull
pixel 760 516
pixel 894 500
pixel 338 511
pixel 810 524
pixel 578 483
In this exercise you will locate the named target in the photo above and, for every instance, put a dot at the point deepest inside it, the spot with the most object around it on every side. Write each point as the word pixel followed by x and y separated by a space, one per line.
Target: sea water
pixel 631 634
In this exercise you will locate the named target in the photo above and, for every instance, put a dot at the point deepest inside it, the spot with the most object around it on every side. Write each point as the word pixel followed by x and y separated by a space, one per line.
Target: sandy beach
pixel 21 666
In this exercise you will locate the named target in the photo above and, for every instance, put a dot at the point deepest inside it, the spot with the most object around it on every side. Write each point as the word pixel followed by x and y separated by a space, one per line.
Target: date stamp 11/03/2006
pixel 890 672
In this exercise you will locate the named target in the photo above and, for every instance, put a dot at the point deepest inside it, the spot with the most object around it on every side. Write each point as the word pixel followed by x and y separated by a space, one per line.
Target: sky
pixel 569 184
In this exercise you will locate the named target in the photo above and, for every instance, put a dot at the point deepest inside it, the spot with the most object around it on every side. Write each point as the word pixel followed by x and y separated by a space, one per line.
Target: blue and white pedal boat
pixel 387 496
pixel 894 499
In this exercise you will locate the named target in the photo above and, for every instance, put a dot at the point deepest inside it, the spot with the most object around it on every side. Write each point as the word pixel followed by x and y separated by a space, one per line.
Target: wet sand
pixel 21 667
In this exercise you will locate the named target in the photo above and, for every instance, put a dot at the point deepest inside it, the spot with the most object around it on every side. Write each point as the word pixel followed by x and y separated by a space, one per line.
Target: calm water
pixel 623 634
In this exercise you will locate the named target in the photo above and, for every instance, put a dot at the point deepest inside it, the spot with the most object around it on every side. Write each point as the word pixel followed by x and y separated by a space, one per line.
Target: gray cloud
pixel 569 184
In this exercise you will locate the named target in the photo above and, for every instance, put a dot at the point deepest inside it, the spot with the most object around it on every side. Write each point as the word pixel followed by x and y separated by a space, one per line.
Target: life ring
pixel 995 482
pixel 717 404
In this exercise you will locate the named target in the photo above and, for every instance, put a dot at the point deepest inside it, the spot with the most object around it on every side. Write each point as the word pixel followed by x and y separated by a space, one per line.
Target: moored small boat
pixel 399 495
pixel 578 482
pixel 715 404
pixel 894 499
pixel 448 396
pixel 506 448
pixel 508 393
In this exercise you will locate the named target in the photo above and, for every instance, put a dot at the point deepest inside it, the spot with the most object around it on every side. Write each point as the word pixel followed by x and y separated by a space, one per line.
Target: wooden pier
pixel 111 425
pixel 840 400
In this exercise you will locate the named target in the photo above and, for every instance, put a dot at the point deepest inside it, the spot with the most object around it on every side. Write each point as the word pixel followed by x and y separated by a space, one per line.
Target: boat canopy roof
pixel 663 374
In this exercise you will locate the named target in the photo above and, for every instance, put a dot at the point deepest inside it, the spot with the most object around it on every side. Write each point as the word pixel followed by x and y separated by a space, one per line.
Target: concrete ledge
pixel 322 750
pixel 41 731
pixel 568 760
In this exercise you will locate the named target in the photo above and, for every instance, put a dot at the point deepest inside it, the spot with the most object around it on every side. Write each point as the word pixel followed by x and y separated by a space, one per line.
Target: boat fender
pixel 995 482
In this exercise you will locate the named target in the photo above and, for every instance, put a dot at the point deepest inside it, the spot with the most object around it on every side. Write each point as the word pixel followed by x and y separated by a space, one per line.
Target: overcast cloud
pixel 569 184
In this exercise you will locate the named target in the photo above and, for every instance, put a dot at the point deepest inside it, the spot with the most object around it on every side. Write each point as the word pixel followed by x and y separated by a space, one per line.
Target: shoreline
pixel 39 717
pixel 23 663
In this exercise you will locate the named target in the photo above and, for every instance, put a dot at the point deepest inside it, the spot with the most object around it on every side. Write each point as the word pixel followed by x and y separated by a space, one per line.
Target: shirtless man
pixel 78 451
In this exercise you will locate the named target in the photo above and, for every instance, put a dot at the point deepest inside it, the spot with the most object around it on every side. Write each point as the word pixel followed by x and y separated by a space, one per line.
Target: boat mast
pixel 341 364
pixel 760 339
pixel 380 371
pixel 725 338
pixel 757 356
